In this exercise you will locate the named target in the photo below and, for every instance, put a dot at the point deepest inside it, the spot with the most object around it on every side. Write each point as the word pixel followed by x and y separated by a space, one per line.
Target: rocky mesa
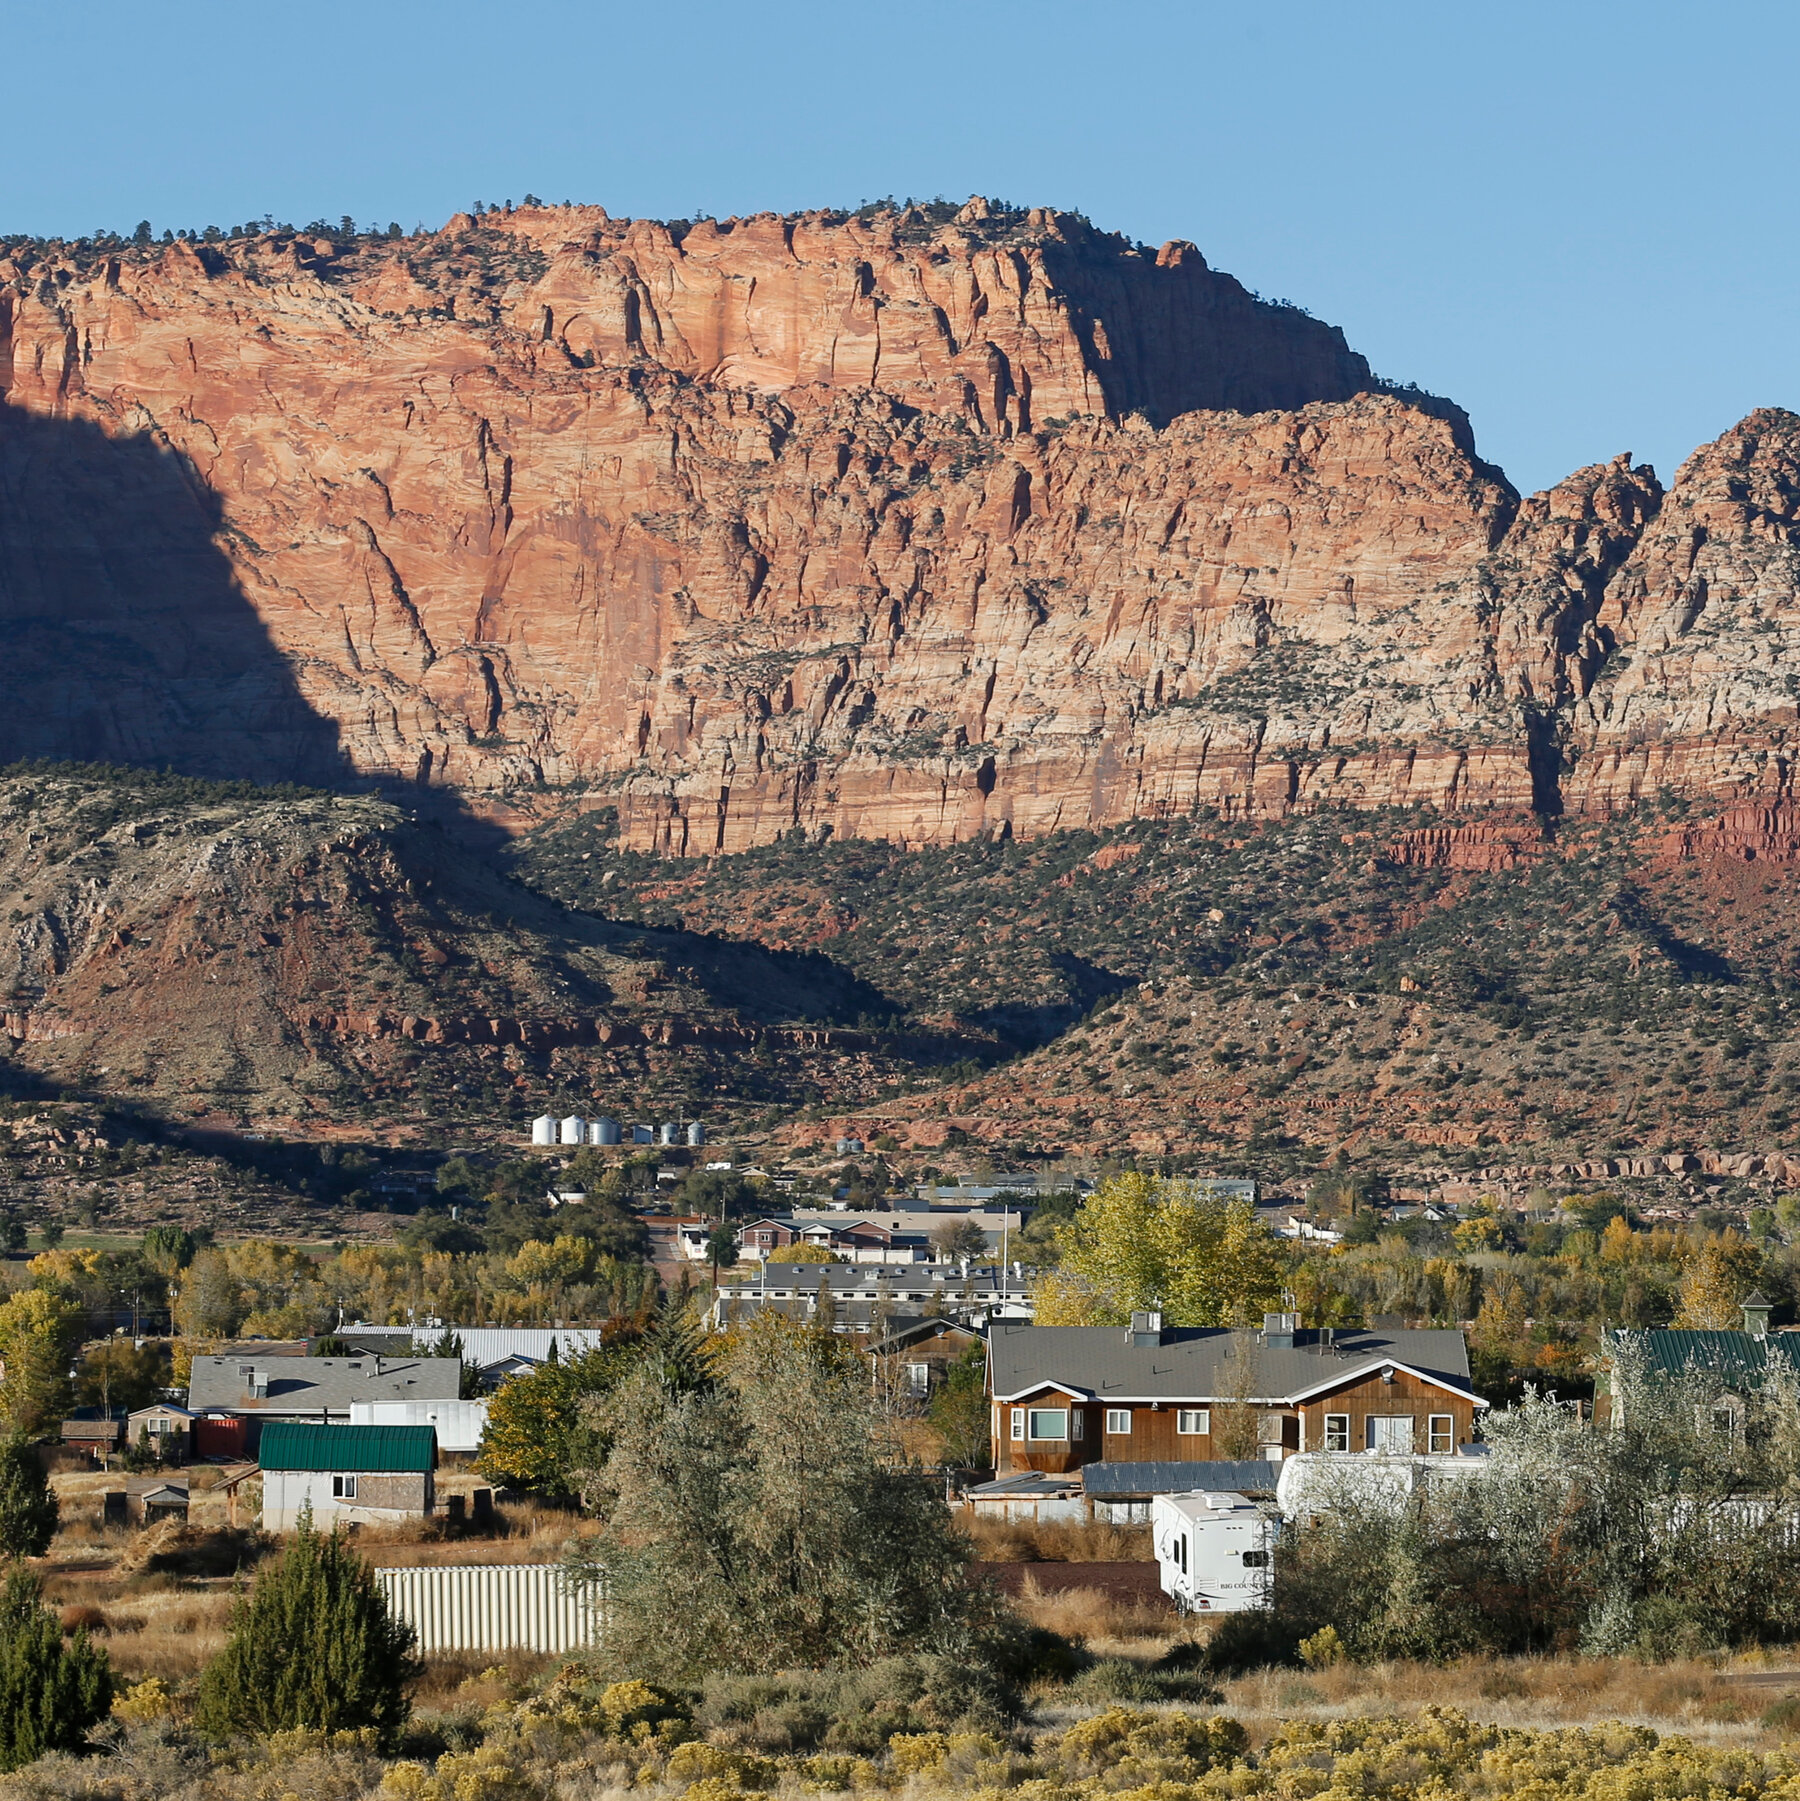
pixel 900 525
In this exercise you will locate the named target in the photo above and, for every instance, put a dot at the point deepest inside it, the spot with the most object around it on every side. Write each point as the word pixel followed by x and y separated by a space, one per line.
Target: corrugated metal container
pixel 458 1423
pixel 574 1129
pixel 643 1134
pixel 697 1132
pixel 603 1131
pixel 494 1607
pixel 670 1132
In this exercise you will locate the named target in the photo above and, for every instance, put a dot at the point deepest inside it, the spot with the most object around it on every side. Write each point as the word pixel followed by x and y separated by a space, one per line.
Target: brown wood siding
pixel 1153 1437
pixel 1404 1395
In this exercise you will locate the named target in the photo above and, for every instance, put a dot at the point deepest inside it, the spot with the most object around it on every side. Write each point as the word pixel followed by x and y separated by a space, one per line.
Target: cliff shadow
pixel 127 636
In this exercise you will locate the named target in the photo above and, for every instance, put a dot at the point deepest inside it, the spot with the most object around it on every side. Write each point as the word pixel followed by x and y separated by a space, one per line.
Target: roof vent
pixel 1146 1327
pixel 1279 1330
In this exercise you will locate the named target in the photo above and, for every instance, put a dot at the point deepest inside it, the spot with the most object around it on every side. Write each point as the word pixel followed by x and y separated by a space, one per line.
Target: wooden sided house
pixel 1065 1396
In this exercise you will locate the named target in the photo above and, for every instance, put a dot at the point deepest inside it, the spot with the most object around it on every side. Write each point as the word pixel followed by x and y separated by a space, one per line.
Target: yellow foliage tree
pixel 1145 1241
pixel 1720 1272
pixel 563 1259
pixel 37 1332
pixel 804 1253
pixel 1618 1243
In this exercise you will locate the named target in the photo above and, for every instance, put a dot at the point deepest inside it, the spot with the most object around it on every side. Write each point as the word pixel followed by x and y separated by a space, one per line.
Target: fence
pixel 494 1607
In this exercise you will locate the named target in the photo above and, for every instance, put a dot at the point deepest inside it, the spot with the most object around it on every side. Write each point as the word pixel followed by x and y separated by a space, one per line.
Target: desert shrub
pixel 52 1691
pixel 1667 1535
pixel 313 1647
pixel 28 1509
pixel 857 1710
pixel 764 1520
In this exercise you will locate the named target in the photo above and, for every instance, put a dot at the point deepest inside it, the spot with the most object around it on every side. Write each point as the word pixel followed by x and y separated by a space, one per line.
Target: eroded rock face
pixel 885 527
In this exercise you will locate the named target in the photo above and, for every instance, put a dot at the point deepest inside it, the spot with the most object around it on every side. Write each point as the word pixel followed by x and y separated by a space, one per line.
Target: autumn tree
pixel 1720 1272
pixel 537 1435
pixel 1142 1241
pixel 37 1333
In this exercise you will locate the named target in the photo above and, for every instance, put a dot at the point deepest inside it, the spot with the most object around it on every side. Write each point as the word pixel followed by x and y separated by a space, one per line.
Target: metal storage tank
pixel 671 1132
pixel 643 1135
pixel 574 1129
pixel 603 1131
pixel 494 1607
pixel 543 1129
pixel 697 1133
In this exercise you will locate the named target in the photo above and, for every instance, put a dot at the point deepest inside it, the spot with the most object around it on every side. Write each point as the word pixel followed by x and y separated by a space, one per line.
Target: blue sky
pixel 1575 219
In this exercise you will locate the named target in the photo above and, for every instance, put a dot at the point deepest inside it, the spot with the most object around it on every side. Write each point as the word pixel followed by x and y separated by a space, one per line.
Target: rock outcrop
pixel 900 526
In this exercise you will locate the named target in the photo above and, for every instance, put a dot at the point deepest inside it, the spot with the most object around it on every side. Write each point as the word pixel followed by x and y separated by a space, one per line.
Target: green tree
pixel 313 1646
pixel 537 1436
pixel 119 1373
pixel 52 1690
pixel 953 1238
pixel 28 1507
pixel 37 1333
pixel 169 1250
pixel 959 1411
pixel 1142 1241
pixel 764 1522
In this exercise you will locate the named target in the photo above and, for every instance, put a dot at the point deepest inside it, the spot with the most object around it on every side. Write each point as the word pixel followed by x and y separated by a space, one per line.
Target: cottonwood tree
pixel 762 1520
pixel 37 1334
pixel 1142 1241
pixel 537 1435
pixel 313 1646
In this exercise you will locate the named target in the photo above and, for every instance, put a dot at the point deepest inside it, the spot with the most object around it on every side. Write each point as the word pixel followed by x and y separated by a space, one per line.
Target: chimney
pixel 1146 1328
pixel 1279 1330
pixel 1757 1308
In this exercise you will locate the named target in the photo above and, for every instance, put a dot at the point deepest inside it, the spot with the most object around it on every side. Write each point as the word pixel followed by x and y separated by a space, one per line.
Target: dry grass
pixel 1110 1624
pixel 1719 1702
pixel 996 1541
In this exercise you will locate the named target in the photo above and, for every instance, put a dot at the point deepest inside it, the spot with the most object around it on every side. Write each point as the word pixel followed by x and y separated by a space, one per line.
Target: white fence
pixel 494 1607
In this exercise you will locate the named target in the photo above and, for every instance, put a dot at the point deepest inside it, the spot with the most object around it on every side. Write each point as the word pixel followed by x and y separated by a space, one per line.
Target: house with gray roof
pixel 319 1389
pixel 1067 1396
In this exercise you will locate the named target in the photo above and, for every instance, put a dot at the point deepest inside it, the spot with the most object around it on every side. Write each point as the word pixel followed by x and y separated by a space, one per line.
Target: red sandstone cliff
pixel 886 527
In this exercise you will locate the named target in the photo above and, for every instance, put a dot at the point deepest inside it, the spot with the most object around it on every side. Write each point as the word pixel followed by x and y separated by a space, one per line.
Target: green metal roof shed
pixel 294 1445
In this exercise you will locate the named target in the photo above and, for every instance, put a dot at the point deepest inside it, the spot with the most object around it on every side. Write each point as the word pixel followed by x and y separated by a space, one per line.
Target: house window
pixel 1194 1422
pixel 1391 1432
pixel 1118 1421
pixel 1078 1424
pixel 918 1378
pixel 1018 1422
pixel 1337 1432
pixel 1441 1434
pixel 1048 1422
pixel 343 1488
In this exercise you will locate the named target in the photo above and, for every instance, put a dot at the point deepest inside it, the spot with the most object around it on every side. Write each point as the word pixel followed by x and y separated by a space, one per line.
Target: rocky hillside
pixel 898 525
pixel 1427 999
pixel 298 958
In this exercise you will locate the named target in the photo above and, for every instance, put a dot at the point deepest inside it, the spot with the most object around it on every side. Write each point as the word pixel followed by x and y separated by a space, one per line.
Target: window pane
pixel 1118 1419
pixel 1443 1434
pixel 1337 1432
pixel 1049 1422
pixel 1193 1420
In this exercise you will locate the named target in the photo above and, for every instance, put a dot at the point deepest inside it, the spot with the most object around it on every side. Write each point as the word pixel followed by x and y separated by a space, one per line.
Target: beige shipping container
pixel 494 1607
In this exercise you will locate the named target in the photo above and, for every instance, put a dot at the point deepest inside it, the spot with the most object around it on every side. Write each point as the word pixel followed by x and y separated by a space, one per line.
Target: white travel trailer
pixel 1317 1483
pixel 1216 1550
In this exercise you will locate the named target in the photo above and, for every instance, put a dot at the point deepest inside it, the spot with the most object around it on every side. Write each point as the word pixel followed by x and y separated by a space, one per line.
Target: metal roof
pixel 1193 1363
pixel 1113 1480
pixel 293 1445
pixel 317 1385
pixel 482 1345
pixel 1739 1355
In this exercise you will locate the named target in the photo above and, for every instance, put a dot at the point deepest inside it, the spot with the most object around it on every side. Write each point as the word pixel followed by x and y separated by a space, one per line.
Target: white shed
pixel 459 1423
pixel 1215 1550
